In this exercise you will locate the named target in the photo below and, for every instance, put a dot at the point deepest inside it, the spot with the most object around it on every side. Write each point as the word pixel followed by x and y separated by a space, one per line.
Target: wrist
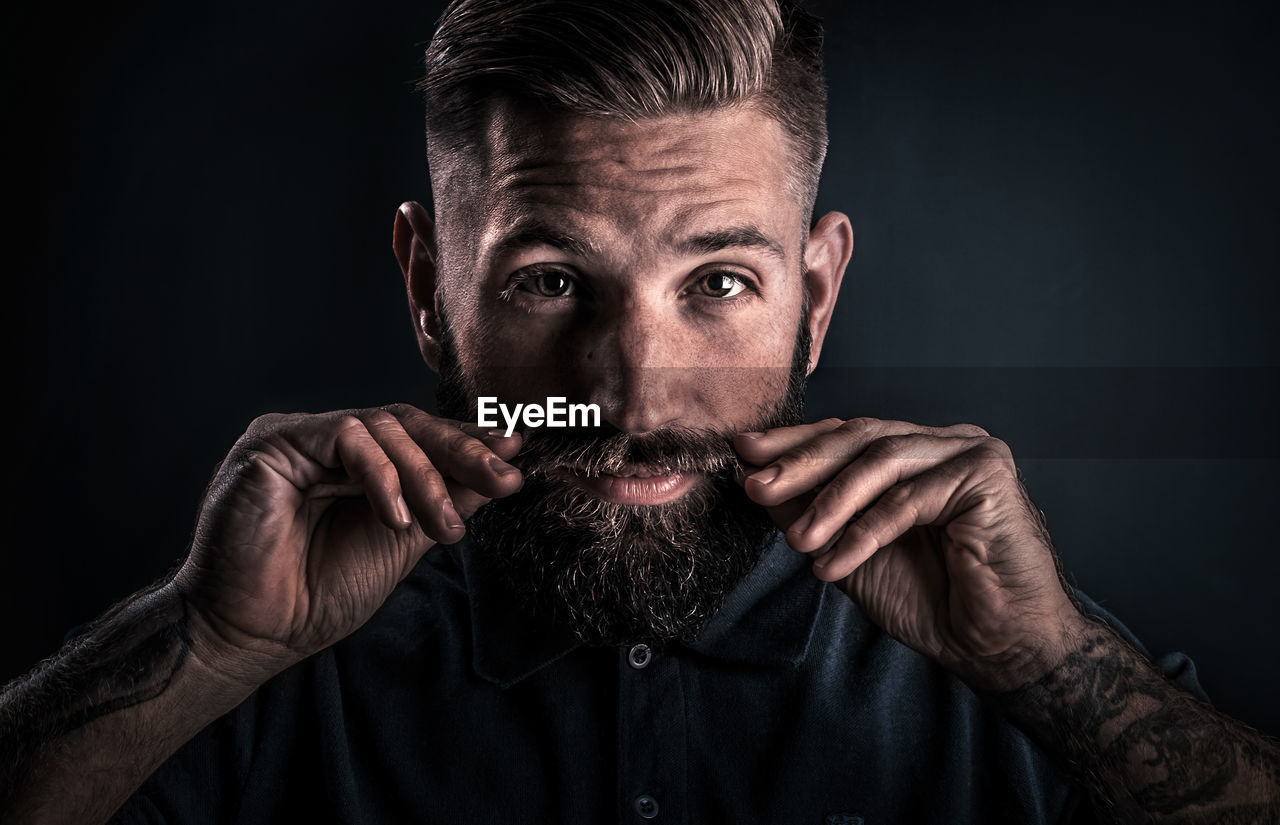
pixel 1043 647
pixel 234 669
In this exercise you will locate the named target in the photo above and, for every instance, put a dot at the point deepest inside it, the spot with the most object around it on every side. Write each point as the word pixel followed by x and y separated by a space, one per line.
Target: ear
pixel 414 243
pixel 826 256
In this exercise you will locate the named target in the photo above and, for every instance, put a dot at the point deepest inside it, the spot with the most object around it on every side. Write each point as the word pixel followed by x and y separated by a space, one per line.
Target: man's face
pixel 654 269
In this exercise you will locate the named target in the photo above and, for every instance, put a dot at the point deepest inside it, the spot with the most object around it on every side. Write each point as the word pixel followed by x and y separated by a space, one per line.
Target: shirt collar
pixel 767 619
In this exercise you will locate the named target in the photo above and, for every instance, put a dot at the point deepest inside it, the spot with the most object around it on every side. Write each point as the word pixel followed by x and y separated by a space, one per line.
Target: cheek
pixel 743 378
pixel 517 362
pixel 737 395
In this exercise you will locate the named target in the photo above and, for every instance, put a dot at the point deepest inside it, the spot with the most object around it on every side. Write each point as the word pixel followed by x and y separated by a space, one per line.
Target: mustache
pixel 599 451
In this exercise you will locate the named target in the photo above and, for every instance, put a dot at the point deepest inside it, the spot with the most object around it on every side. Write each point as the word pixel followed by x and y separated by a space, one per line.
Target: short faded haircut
pixel 628 59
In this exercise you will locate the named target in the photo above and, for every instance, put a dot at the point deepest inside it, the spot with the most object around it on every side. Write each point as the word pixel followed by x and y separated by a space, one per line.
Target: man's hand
pixel 308 525
pixel 312 520
pixel 930 531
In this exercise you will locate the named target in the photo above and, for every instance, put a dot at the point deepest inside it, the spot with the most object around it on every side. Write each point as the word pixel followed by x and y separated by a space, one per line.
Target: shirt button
pixel 646 806
pixel 639 657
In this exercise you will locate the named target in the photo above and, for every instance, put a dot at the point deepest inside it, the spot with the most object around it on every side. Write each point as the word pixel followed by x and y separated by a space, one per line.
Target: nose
pixel 634 368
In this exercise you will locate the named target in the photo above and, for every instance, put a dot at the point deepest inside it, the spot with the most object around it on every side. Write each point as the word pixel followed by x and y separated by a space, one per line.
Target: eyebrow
pixel 525 234
pixel 735 237
pixel 528 233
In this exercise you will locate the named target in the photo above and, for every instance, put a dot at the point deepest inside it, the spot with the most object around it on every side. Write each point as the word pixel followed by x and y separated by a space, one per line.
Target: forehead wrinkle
pixel 652 185
pixel 665 180
pixel 688 231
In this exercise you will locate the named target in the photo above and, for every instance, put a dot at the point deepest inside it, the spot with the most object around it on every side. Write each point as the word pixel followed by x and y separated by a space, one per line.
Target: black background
pixel 1066 232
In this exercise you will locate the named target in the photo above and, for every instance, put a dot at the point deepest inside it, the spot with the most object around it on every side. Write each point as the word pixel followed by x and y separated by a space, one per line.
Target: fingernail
pixel 451 518
pixel 801 524
pixel 501 467
pixel 766 475
pixel 820 561
pixel 402 511
pixel 752 435
pixel 497 434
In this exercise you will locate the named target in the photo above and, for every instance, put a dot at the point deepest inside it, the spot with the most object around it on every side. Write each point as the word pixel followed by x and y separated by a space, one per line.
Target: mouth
pixel 636 485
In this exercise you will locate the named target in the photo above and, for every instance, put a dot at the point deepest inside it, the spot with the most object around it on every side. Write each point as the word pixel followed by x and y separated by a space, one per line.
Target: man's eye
pixel 720 285
pixel 549 284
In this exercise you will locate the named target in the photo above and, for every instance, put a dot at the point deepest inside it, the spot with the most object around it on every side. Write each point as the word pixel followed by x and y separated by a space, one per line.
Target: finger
pixel 784 516
pixel 802 466
pixel 423 486
pixel 466 500
pixel 370 467
pixel 459 455
pixel 817 461
pixel 919 500
pixel 884 463
pixel 506 446
pixel 760 449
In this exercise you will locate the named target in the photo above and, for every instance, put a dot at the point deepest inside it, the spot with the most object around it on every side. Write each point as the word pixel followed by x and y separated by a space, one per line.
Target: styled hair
pixel 629 59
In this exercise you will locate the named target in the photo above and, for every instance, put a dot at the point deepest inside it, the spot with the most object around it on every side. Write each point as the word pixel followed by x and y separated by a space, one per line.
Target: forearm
pixel 86 728
pixel 1148 751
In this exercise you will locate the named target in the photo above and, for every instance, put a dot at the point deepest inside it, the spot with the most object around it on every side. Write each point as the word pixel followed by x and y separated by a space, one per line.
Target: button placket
pixel 652 748
pixel 646 806
pixel 639 656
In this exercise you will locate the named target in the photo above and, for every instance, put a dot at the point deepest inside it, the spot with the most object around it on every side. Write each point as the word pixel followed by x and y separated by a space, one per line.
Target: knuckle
pixel 381 419
pixel 993 456
pixel 890 446
pixel 428 477
pixel 804 456
pixel 972 430
pixel 860 427
pixel 411 415
pixel 266 424
pixel 375 464
pixel 996 448
pixel 824 504
pixel 857 532
pixel 348 426
pixel 460 442
pixel 898 497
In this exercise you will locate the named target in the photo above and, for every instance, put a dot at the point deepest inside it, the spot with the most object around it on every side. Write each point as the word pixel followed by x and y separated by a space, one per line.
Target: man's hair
pixel 629 59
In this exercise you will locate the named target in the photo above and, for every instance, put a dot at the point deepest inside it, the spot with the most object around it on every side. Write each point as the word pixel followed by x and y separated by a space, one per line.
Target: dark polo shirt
pixel 449 707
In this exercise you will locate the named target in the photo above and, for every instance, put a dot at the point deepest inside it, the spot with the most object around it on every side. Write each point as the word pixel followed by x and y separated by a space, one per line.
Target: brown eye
pixel 551 284
pixel 721 285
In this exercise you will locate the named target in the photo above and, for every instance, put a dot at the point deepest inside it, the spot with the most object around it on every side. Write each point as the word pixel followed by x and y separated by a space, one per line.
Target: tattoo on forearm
pixel 1147 750
pixel 125 658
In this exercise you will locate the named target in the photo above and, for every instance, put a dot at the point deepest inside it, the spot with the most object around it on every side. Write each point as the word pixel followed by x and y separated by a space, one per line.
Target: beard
pixel 611 573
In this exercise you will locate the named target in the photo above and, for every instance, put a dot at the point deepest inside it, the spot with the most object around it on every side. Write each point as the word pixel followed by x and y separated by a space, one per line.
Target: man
pixel 405 616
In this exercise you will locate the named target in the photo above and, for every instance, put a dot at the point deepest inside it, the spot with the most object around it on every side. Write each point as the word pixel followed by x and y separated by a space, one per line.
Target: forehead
pixel 635 184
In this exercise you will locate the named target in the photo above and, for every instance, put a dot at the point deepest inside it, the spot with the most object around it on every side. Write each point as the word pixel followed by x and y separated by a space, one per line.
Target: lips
pixel 638 485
